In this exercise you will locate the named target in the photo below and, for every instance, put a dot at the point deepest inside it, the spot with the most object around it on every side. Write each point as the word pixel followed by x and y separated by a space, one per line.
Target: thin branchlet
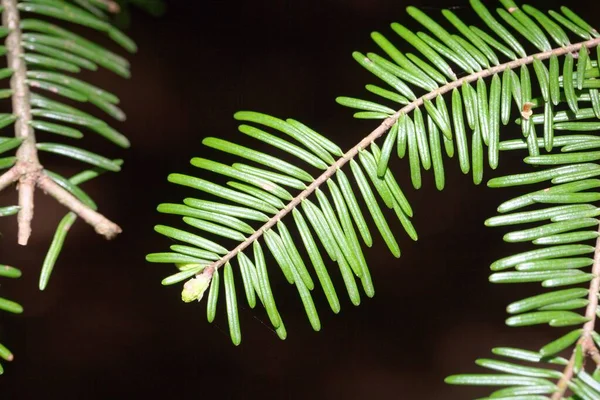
pixel 387 124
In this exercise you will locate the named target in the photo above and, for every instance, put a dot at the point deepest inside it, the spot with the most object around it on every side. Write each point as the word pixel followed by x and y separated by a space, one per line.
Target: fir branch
pixel 416 134
pixel 28 171
pixel 387 124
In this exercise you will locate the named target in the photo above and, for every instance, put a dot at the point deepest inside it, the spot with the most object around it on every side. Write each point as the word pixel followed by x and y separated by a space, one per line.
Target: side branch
pixel 99 222
pixel 387 124
pixel 586 339
pixel 27 180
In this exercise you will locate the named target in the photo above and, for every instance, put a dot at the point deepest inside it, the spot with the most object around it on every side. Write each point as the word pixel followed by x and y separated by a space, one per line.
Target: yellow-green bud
pixel 194 288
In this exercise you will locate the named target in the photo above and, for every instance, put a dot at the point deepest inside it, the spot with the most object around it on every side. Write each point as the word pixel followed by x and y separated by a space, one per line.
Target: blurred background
pixel 106 329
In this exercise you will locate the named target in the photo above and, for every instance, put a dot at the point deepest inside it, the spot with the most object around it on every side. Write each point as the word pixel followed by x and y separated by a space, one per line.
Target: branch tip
pixel 108 229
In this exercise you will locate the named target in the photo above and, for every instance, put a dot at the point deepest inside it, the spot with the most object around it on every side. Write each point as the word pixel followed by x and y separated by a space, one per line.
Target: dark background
pixel 106 329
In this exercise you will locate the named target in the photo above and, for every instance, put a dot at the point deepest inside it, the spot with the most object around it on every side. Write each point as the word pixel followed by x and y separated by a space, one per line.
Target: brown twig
pixel 387 124
pixel 27 153
pixel 101 224
pixel 28 171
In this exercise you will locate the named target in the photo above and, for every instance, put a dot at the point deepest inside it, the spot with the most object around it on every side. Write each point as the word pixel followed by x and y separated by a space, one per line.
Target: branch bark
pixel 27 153
pixel 28 171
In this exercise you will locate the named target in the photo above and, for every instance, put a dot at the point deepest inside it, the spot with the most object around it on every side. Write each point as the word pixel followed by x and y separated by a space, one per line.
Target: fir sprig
pixel 476 79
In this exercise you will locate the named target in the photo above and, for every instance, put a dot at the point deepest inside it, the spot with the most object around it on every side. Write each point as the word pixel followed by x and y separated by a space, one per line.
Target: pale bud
pixel 194 288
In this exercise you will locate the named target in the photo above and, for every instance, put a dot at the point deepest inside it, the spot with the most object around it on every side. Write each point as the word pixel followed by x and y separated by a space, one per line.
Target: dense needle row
pixel 561 115
pixel 478 108
pixel 255 194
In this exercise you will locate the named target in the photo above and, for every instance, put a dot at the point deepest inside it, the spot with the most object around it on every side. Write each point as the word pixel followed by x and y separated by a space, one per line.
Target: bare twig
pixel 28 171
pixel 100 223
pixel 387 124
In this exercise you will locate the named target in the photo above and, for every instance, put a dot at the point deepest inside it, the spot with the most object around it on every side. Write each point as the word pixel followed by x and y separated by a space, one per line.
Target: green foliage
pixel 450 94
pixel 260 193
